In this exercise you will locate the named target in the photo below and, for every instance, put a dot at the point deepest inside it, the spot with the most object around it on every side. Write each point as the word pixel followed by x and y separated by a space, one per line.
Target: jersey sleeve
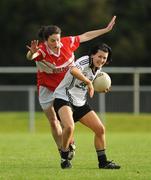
pixel 71 42
pixel 82 62
pixel 79 66
pixel 75 42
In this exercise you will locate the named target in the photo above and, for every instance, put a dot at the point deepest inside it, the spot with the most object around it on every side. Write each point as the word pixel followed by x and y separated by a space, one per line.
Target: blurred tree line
pixel 130 38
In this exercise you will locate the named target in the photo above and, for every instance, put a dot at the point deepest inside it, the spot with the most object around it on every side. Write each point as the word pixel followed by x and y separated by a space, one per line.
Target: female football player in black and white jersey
pixel 71 103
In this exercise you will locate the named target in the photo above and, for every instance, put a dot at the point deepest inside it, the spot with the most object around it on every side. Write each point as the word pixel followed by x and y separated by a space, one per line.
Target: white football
pixel 102 82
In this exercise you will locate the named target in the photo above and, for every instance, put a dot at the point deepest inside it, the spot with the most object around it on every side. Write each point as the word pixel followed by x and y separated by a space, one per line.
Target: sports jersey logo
pixel 58 70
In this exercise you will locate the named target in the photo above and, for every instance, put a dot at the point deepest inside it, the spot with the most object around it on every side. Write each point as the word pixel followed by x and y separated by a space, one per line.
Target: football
pixel 102 82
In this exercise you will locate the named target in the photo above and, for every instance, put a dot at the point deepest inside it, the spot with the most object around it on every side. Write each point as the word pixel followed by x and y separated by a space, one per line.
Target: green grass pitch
pixel 33 156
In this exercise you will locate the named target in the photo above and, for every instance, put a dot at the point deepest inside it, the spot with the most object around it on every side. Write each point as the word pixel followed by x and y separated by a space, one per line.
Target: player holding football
pixel 71 103
pixel 53 56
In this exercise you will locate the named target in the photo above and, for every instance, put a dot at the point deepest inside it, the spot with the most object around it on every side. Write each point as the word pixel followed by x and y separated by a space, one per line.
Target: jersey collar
pixel 50 51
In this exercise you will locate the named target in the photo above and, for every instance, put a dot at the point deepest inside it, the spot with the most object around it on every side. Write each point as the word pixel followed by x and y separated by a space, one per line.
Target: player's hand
pixel 90 89
pixel 111 24
pixel 33 46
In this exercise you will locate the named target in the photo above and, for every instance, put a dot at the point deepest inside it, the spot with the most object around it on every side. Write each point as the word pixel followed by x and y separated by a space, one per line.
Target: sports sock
pixel 101 156
pixel 64 154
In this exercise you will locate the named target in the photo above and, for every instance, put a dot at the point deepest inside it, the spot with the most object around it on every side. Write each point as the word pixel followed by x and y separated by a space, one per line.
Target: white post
pixel 136 94
pixel 31 105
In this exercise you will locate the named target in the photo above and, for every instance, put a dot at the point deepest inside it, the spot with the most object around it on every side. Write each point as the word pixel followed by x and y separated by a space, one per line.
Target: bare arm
pixel 77 73
pixel 92 34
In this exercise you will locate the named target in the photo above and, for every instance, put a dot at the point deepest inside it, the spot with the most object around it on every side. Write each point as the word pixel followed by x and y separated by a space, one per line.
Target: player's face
pixel 54 42
pixel 100 58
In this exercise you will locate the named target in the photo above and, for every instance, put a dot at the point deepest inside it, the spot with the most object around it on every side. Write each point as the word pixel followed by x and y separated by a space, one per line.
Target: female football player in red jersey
pixel 53 56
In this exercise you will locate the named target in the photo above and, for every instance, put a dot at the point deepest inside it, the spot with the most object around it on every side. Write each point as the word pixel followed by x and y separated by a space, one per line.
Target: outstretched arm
pixel 92 34
pixel 77 73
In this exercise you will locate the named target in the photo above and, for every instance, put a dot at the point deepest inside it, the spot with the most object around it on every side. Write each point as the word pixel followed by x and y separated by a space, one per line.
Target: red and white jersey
pixel 52 67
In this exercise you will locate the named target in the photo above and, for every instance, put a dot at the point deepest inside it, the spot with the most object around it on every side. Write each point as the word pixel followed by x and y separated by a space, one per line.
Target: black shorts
pixel 78 111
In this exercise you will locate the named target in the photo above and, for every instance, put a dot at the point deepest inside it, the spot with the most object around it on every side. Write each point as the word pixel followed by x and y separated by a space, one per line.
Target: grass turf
pixel 33 156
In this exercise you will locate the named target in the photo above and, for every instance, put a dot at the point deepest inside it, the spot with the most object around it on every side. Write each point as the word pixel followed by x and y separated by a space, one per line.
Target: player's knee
pixel 103 130
pixel 53 123
pixel 100 131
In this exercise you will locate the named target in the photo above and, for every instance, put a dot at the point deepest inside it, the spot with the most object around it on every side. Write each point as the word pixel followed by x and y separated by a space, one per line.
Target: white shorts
pixel 45 97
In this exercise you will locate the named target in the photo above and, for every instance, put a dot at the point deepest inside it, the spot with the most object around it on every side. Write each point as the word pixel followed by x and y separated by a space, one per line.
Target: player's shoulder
pixel 99 71
pixel 69 39
pixel 84 60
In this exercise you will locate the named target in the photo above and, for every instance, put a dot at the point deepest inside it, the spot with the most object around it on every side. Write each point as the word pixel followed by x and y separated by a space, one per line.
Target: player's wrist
pixel 31 52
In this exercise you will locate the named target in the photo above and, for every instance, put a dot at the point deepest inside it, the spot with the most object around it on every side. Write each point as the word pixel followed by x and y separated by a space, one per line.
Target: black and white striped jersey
pixel 73 90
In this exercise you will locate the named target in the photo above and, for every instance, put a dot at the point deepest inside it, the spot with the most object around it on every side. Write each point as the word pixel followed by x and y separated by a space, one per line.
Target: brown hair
pixel 46 31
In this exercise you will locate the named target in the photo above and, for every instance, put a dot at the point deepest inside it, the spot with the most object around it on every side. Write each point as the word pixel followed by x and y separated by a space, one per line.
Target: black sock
pixel 64 154
pixel 101 156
